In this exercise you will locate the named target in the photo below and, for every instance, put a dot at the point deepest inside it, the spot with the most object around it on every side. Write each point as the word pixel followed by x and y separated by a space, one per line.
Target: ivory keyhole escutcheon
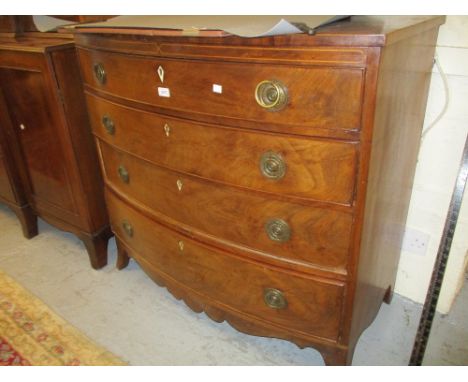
pixel 167 129
pixel 161 73
pixel 179 184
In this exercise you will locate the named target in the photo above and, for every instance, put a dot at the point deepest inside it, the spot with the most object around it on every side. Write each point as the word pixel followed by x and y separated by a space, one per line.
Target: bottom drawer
pixel 295 302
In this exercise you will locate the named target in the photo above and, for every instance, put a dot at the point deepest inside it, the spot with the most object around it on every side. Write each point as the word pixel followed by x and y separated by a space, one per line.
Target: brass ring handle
pixel 271 95
pixel 127 228
pixel 123 174
pixel 278 230
pixel 272 165
pixel 100 73
pixel 108 124
pixel 274 298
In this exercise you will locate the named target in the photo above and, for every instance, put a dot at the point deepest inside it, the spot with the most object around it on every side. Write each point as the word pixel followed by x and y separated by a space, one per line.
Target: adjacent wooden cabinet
pixel 12 192
pixel 264 181
pixel 45 128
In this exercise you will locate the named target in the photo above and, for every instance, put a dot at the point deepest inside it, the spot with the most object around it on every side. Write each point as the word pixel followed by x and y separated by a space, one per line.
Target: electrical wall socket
pixel 415 241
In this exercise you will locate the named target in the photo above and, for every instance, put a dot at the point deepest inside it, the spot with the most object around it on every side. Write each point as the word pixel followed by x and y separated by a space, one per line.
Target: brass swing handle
pixel 271 95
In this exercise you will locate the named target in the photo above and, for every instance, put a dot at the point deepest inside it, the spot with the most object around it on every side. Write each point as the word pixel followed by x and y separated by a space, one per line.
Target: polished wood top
pixel 355 31
pixel 380 30
pixel 35 44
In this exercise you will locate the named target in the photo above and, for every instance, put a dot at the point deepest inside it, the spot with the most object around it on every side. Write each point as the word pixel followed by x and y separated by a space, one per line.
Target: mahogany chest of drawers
pixel 264 181
pixel 48 164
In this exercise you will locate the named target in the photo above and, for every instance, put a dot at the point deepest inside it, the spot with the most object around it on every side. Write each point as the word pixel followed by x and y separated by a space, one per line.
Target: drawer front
pixel 296 302
pixel 294 232
pixel 322 97
pixel 303 167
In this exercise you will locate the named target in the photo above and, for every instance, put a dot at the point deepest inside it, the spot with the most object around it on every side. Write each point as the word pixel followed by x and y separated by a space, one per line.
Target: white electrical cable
pixel 447 99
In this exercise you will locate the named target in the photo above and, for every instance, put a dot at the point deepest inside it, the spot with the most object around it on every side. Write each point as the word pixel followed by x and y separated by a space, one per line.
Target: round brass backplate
pixel 272 165
pixel 100 73
pixel 127 228
pixel 108 124
pixel 278 230
pixel 274 298
pixel 123 174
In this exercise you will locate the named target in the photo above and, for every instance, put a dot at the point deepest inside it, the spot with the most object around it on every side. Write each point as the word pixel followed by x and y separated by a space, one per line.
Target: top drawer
pixel 278 95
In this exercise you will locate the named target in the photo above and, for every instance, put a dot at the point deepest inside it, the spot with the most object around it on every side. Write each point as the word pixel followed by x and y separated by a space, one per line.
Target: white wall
pixel 438 164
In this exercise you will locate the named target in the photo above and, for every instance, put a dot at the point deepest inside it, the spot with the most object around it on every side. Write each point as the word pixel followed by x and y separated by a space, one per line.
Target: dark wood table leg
pixel 28 220
pixel 96 246
pixel 122 255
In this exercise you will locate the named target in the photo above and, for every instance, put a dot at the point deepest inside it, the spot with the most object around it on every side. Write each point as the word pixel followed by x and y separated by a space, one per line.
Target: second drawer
pixel 291 231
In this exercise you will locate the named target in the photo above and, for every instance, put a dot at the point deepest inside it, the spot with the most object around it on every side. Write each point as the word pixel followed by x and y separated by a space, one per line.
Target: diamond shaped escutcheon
pixel 161 73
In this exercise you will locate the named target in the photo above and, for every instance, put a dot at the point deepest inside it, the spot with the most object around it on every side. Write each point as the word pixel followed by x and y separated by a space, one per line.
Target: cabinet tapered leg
pixel 388 295
pixel 122 255
pixel 97 247
pixel 28 220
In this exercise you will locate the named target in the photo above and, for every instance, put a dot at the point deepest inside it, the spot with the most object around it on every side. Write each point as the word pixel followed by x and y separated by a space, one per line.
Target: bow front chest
pixel 264 181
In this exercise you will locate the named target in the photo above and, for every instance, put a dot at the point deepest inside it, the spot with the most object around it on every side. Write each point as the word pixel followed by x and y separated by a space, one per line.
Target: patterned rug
pixel 32 334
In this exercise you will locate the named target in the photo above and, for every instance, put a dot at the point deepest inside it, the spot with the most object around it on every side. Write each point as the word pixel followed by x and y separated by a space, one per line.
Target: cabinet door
pixel 11 191
pixel 6 191
pixel 36 126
